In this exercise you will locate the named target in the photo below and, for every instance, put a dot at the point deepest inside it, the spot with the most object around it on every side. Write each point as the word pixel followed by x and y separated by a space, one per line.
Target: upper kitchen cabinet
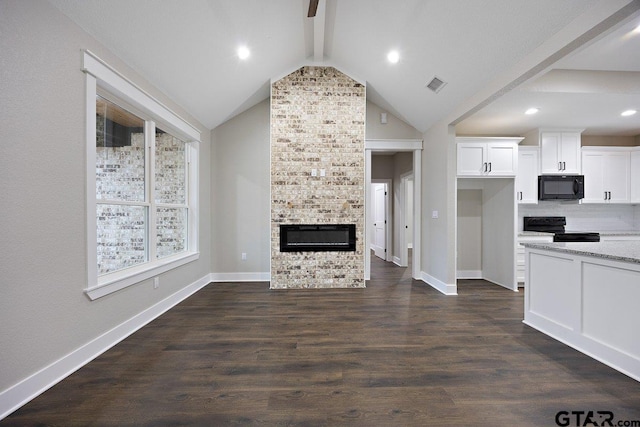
pixel 527 176
pixel 560 153
pixel 559 150
pixel 487 156
pixel 635 175
pixel 606 173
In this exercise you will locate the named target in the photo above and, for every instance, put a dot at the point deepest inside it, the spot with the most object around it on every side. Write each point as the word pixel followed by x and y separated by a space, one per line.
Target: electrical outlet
pixel 244 256
pixel 156 282
pixel 434 214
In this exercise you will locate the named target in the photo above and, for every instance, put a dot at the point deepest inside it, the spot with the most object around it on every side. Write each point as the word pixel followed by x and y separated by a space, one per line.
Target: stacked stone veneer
pixel 317 122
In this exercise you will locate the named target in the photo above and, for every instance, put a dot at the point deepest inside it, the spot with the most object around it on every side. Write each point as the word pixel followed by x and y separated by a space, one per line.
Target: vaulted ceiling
pixel 187 48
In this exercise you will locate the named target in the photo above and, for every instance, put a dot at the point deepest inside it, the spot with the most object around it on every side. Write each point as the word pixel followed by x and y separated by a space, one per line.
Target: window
pixel 141 183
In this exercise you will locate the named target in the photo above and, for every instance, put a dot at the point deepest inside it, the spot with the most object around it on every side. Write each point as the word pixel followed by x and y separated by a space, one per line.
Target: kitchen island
pixel 587 295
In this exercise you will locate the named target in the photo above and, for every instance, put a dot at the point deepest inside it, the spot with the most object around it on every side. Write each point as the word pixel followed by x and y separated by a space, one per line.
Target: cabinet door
pixel 549 147
pixel 593 171
pixel 527 177
pixel 471 159
pixel 502 158
pixel 569 152
pixel 616 177
pixel 635 176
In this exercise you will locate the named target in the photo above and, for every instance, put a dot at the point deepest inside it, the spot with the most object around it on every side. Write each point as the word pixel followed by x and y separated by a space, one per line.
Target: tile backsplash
pixel 586 217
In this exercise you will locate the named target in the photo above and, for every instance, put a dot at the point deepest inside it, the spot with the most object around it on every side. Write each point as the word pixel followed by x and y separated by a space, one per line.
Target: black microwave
pixel 560 187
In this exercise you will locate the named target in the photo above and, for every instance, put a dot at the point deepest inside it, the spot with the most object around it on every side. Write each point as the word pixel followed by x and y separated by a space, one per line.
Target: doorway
pixel 381 238
pixel 389 147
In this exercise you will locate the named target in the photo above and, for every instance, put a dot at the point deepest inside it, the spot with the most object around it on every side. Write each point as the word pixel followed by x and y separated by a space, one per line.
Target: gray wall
pixel 44 313
pixel 240 192
pixel 469 217
pixel 240 185
pixel 395 128
pixel 438 194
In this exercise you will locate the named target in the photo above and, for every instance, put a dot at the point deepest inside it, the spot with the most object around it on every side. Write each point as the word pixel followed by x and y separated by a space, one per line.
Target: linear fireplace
pixel 317 237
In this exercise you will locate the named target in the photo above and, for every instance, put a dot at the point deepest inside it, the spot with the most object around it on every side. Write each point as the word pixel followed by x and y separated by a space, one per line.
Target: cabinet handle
pixel 559 166
pixel 605 195
pixel 489 166
pixel 485 166
pixel 609 195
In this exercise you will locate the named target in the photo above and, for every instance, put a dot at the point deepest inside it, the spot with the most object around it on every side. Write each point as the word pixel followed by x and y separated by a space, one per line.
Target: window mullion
pixel 172 205
pixel 150 141
pixel 187 193
pixel 121 202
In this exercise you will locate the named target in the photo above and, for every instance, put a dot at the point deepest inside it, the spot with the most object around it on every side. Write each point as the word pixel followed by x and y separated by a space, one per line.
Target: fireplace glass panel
pixel 313 238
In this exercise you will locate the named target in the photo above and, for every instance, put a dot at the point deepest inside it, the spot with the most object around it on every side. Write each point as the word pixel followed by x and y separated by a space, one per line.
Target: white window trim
pixel 98 73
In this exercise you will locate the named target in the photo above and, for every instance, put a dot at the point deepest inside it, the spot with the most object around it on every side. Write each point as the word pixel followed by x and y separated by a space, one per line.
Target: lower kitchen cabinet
pixel 520 262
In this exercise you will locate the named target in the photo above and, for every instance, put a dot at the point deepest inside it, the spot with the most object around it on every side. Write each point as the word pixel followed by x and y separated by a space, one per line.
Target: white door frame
pixel 404 248
pixel 388 215
pixel 414 146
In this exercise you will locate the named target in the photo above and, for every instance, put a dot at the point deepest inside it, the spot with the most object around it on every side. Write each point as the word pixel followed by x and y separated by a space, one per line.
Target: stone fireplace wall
pixel 317 123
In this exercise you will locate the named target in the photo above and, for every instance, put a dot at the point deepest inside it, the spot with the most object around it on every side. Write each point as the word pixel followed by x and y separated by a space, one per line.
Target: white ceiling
pixel 186 48
pixel 586 90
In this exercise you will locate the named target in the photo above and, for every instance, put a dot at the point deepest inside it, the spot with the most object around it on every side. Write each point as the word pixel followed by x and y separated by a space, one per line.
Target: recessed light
pixel 243 52
pixel 637 30
pixel 531 111
pixel 393 57
pixel 628 113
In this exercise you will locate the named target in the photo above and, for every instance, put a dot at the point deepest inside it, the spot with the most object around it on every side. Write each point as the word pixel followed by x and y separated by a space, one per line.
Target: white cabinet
pixel 487 157
pixel 520 260
pixel 560 153
pixel 527 175
pixel 606 173
pixel 635 175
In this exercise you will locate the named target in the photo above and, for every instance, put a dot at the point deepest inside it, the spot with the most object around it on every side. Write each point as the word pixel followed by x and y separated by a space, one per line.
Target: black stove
pixel 576 237
pixel 556 224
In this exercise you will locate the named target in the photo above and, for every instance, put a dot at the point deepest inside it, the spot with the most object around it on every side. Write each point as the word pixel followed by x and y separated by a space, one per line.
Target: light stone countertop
pixel 602 233
pixel 620 233
pixel 626 251
pixel 534 233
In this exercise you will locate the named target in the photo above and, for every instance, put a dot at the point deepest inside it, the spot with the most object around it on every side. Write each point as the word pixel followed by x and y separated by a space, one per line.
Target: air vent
pixel 436 84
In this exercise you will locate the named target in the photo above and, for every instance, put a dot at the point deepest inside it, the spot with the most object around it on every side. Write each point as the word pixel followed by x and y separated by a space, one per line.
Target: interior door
pixel 379 220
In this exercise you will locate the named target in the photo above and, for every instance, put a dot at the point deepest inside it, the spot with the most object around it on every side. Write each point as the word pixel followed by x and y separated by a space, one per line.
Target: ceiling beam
pixel 319 24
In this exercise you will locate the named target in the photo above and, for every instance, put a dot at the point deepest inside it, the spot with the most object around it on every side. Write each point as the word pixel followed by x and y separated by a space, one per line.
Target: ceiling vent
pixel 436 84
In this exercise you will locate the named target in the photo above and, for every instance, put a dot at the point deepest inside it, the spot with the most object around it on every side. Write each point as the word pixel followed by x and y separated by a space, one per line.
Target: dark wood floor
pixel 395 354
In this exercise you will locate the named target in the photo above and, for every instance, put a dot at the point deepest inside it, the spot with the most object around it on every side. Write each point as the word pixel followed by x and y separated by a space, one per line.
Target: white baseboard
pixel 32 386
pixel 241 277
pixel 469 274
pixel 396 261
pixel 447 289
